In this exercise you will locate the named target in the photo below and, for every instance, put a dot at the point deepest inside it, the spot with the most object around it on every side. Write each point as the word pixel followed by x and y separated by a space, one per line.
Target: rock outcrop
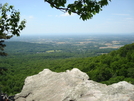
pixel 72 85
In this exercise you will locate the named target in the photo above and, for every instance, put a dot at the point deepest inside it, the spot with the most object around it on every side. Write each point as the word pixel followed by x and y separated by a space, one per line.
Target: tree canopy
pixel 113 67
pixel 84 8
pixel 10 24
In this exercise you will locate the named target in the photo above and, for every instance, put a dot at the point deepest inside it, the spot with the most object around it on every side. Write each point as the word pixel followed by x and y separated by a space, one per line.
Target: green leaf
pixel 69 12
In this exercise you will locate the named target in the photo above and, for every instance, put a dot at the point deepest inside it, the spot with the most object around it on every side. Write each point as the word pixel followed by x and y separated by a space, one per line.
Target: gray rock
pixel 72 86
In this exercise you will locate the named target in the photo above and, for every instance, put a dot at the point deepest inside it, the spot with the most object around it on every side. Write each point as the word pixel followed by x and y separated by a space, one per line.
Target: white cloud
pixel 62 15
pixel 67 14
pixel 30 17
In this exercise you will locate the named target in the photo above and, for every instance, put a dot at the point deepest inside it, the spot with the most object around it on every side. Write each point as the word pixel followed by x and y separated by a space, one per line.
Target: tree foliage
pixel 84 8
pixel 10 24
pixel 107 68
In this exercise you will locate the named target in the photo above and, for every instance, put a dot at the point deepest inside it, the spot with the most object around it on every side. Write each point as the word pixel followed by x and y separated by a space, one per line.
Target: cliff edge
pixel 72 85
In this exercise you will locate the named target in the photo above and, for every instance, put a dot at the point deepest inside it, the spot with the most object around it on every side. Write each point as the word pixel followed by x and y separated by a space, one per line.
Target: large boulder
pixel 72 85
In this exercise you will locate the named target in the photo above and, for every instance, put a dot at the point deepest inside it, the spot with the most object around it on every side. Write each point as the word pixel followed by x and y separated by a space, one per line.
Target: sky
pixel 116 18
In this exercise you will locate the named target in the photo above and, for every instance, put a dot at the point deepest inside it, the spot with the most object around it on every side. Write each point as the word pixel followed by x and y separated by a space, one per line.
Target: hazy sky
pixel 117 17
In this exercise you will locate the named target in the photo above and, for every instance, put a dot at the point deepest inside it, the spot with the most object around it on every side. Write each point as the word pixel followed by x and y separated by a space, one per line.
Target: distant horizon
pixel 73 34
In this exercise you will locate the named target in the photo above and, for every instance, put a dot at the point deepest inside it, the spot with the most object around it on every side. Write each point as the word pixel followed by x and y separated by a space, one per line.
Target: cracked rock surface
pixel 72 85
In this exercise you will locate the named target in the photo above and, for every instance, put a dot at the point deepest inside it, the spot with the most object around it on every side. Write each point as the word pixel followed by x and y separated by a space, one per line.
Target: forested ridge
pixel 115 66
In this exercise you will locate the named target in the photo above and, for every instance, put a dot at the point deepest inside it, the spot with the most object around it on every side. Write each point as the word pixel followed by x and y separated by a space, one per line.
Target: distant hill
pixel 26 47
